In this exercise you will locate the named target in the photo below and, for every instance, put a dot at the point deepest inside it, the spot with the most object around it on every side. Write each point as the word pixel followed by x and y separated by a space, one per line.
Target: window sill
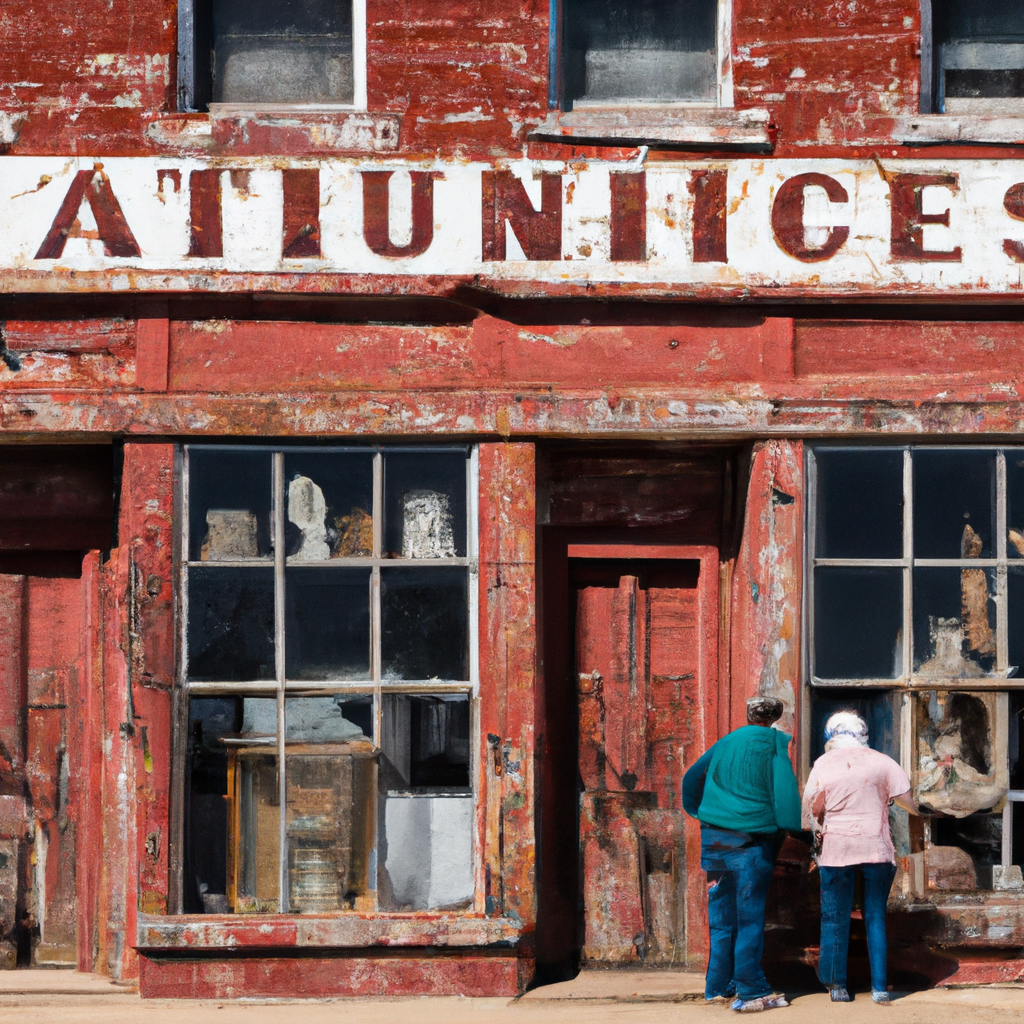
pixel 301 130
pixel 935 129
pixel 704 127
pixel 284 931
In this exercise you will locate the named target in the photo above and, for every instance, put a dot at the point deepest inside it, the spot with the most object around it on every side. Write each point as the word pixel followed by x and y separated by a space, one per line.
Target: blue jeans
pixel 836 904
pixel 739 868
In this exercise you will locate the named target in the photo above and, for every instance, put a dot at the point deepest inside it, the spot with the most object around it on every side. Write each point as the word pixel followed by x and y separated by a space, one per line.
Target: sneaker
pixel 719 1000
pixel 840 994
pixel 880 997
pixel 772 1001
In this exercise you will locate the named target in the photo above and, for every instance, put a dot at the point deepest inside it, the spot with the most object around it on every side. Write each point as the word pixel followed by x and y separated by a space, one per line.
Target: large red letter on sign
pixel 301 222
pixel 1013 203
pixel 628 216
pixel 377 214
pixel 708 189
pixel 788 218
pixel 539 231
pixel 907 218
pixel 111 227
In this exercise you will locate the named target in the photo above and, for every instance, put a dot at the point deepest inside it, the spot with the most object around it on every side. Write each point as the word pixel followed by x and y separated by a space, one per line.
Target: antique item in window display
pixel 427 525
pixel 307 509
pixel 230 535
pixel 330 791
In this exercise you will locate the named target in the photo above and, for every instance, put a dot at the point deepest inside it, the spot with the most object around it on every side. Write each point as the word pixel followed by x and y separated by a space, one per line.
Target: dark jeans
pixel 836 904
pixel 739 868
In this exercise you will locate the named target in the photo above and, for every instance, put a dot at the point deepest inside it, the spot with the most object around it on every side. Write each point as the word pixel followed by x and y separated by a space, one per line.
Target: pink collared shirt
pixel 852 787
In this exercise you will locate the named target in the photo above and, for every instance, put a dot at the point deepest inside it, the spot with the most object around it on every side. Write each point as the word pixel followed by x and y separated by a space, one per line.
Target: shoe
pixel 880 997
pixel 772 1001
pixel 719 1000
pixel 840 994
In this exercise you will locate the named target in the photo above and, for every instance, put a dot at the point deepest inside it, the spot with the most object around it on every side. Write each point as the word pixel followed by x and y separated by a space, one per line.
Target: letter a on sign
pixel 111 227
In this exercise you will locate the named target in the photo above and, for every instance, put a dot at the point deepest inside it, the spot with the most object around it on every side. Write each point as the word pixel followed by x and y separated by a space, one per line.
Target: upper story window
pixel 640 51
pixel 978 55
pixel 328 662
pixel 259 52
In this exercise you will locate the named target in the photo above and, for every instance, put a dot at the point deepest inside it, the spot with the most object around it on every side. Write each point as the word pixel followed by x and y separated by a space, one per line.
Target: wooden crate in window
pixel 329 828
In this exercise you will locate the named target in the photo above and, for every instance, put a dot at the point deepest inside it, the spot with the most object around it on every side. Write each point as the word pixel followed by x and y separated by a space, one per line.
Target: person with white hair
pixel 847 797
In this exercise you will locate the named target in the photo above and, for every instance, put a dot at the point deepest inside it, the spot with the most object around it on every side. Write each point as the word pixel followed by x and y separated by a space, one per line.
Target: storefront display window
pixel 915 603
pixel 328 661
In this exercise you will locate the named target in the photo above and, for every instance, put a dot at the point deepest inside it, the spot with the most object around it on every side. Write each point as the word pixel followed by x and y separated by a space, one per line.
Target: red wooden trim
pixel 152 351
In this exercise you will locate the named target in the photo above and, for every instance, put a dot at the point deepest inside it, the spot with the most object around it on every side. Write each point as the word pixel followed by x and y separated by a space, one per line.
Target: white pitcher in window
pixel 308 511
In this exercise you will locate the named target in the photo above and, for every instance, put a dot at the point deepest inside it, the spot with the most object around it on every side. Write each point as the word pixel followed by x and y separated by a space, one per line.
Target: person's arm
pixel 908 803
pixel 786 792
pixel 693 783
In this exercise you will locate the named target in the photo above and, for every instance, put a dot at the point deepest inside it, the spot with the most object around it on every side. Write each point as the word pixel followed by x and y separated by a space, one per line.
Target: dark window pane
pixel 425 741
pixel 977 19
pixel 327 625
pixel 954 504
pixel 1015 622
pixel 639 49
pixel 229 505
pixel 425 504
pixel 954 622
pixel 230 624
pixel 424 624
pixel 858 622
pixel 977 83
pixel 1015 502
pixel 860 504
pixel 268 51
pixel 206 811
pixel 329 506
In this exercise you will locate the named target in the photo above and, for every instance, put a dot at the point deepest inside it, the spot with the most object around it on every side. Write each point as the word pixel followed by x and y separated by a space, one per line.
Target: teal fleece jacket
pixel 745 782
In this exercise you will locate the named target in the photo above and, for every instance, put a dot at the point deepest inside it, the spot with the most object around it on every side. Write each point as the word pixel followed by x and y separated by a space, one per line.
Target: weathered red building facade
pixel 425 424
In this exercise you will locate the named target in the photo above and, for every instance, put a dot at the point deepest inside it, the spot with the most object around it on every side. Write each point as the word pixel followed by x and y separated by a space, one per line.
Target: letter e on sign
pixel 908 219
pixel 788 218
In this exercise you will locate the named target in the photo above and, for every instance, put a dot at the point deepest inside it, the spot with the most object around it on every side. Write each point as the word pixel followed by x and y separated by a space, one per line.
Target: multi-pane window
pixel 915 603
pixel 300 52
pixel 639 51
pixel 978 50
pixel 328 658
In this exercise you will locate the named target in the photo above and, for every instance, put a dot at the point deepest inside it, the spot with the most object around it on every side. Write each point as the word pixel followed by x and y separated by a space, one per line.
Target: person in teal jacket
pixel 743 792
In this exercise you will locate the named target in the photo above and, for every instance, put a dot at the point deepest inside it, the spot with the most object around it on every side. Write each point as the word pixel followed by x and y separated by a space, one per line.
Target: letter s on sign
pixel 1013 203
pixel 788 218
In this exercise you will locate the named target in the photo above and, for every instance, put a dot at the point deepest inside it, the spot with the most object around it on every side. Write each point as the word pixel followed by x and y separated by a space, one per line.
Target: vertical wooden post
pixel 507 678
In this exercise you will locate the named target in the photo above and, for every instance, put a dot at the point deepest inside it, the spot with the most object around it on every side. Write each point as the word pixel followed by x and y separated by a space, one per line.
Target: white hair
pixel 846 729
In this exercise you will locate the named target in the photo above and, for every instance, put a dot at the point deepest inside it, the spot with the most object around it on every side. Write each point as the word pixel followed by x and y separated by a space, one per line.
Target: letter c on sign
pixel 1013 203
pixel 788 218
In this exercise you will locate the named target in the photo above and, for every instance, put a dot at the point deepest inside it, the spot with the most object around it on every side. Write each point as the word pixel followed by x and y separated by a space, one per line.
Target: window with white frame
pixel 328 664
pixel 977 50
pixel 258 52
pixel 640 51
pixel 915 604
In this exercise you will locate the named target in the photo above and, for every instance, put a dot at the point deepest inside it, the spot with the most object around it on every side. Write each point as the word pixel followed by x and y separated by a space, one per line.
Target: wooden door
pixel 642 655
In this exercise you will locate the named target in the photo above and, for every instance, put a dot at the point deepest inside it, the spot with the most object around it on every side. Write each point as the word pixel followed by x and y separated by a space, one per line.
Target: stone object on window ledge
pixel 949 868
pixel 1008 878
pixel 230 535
pixel 307 509
pixel 934 129
pixel 706 127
